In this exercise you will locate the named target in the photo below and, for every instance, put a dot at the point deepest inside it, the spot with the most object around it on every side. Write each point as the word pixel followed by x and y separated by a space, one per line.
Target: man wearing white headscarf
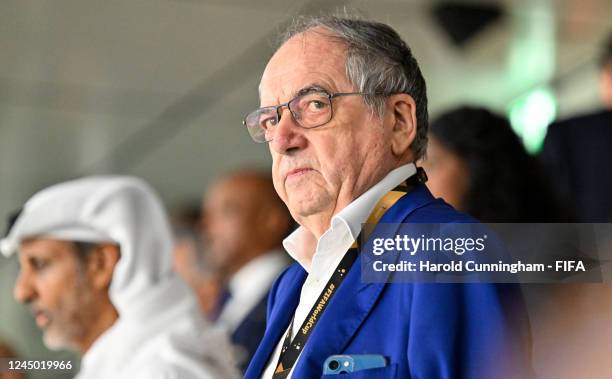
pixel 95 258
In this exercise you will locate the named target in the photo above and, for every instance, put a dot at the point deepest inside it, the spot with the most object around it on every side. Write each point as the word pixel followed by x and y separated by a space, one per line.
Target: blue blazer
pixel 425 330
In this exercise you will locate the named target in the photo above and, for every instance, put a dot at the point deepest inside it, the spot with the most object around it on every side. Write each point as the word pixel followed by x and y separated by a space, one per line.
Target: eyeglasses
pixel 309 110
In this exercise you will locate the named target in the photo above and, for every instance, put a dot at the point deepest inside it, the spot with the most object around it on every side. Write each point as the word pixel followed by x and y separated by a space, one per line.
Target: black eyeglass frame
pixel 278 108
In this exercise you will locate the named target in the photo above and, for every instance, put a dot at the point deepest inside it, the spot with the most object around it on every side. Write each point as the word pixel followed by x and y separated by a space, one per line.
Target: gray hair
pixel 378 62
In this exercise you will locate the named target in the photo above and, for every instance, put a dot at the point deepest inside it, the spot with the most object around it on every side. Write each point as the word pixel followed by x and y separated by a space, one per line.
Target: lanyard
pixel 291 348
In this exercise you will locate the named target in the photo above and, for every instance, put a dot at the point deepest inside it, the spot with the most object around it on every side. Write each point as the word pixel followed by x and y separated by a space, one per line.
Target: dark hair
pixel 506 183
pixel 378 61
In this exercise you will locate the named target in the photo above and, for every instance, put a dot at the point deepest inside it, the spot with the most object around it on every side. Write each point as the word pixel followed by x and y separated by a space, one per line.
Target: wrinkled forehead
pixel 312 58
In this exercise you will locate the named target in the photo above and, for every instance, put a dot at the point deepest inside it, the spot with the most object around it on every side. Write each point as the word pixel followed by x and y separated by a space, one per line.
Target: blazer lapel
pixel 354 300
pixel 343 316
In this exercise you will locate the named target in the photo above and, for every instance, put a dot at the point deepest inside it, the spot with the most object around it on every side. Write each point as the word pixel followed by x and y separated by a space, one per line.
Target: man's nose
pixel 24 290
pixel 288 134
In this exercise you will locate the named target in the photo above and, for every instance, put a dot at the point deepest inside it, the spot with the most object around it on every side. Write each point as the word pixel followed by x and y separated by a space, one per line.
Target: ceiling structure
pixel 158 88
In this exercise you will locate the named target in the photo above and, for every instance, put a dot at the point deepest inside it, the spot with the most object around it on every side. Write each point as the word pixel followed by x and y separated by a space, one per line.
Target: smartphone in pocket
pixel 344 364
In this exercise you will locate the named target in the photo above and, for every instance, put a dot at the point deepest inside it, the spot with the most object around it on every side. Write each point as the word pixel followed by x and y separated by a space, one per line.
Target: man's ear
pixel 101 264
pixel 401 109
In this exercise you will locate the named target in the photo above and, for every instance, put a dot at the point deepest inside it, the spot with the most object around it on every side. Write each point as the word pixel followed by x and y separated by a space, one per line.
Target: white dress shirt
pixel 163 337
pixel 249 285
pixel 330 249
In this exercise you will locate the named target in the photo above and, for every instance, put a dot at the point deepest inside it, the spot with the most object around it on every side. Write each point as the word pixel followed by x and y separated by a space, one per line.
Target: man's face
pixel 229 227
pixel 321 170
pixel 52 283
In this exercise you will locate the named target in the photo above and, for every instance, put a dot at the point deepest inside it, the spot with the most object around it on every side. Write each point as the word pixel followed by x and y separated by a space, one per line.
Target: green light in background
pixel 531 63
pixel 530 116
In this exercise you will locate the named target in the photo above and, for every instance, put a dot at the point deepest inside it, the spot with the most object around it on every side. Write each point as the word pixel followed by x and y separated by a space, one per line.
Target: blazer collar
pixel 354 300
pixel 286 302
pixel 345 313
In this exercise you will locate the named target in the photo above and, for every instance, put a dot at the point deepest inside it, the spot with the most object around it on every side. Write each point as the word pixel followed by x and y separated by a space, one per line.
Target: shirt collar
pixel 257 273
pixel 350 218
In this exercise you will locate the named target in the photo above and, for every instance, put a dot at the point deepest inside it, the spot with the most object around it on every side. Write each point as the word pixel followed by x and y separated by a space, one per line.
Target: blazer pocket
pixel 388 372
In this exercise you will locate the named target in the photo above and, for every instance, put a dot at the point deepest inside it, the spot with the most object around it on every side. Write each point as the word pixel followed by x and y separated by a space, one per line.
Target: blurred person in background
pixel 478 164
pixel 192 266
pixel 7 352
pixel 189 257
pixel 578 153
pixel 95 270
pixel 243 226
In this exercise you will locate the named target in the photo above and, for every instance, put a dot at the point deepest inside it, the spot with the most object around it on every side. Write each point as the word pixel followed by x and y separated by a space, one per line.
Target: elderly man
pixel 95 257
pixel 344 113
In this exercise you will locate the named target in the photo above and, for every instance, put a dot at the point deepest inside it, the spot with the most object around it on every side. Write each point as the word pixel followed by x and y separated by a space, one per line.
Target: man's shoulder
pixel 568 140
pixel 423 207
pixel 583 122
pixel 439 212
